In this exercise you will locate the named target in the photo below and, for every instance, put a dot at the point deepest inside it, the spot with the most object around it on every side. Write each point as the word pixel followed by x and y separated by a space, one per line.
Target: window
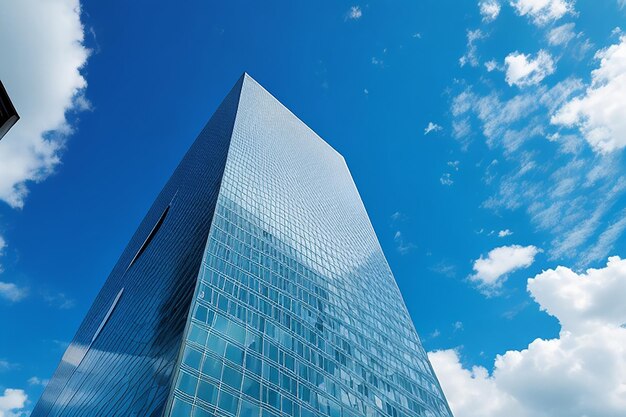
pixel 151 235
pixel 108 314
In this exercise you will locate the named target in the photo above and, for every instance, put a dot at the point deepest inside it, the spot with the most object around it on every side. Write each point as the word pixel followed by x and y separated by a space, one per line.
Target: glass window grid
pixel 223 287
pixel 293 255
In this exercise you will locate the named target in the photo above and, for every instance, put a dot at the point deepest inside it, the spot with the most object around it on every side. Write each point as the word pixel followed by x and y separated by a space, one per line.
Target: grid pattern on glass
pixel 296 311
pixel 127 370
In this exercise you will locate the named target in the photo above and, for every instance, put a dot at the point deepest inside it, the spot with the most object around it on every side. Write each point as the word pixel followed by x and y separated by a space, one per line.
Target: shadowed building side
pixel 121 359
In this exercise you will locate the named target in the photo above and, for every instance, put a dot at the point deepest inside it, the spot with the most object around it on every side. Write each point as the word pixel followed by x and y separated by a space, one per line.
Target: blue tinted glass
pixel 127 370
pixel 300 291
pixel 257 267
pixel 187 383
pixel 248 409
pixel 207 392
pixel 192 358
pixel 181 409
pixel 228 402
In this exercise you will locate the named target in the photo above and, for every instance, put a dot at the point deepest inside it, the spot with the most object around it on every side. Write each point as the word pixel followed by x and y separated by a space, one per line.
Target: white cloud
pixel 445 269
pixel 471 392
pixel 570 194
pixel 583 302
pixel 580 373
pixel 354 13
pixel 561 35
pixel 492 65
pixel 599 113
pixel 605 241
pixel 432 127
pixel 446 179
pixel 11 291
pixel 37 381
pixel 495 125
pixel 397 217
pixel 41 72
pixel 3 245
pixel 522 70
pixel 504 233
pixel 471 55
pixel 491 272
pixel 59 300
pixel 378 62
pixel 489 9
pixel 6 365
pixel 543 11
pixel 12 403
pixel 402 245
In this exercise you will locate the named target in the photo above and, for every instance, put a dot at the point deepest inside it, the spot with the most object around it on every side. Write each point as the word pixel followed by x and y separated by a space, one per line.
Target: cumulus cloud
pixel 583 302
pixel 42 75
pixel 504 233
pixel 542 12
pixel 471 392
pixel 491 272
pixel 432 127
pixel 599 113
pixel 582 372
pixel 489 9
pixel 471 55
pixel 12 403
pixel 523 70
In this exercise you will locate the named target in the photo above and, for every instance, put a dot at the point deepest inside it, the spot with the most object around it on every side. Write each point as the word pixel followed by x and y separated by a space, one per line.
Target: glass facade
pixel 292 311
pixel 121 360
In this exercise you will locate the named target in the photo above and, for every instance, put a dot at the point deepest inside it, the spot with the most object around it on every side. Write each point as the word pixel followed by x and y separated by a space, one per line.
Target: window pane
pixel 180 408
pixel 207 392
pixel 187 383
pixel 228 402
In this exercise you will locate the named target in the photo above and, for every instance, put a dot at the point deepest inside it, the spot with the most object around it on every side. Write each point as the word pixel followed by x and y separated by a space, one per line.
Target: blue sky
pixel 486 139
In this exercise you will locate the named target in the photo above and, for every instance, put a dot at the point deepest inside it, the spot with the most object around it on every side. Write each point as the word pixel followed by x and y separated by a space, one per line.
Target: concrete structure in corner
pixel 255 286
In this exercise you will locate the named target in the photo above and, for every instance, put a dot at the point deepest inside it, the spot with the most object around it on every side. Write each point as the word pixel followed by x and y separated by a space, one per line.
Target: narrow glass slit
pixel 106 317
pixel 153 232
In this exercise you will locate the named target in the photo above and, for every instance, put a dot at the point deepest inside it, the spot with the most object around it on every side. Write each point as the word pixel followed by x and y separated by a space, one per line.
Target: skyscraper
pixel 255 286
pixel 8 114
